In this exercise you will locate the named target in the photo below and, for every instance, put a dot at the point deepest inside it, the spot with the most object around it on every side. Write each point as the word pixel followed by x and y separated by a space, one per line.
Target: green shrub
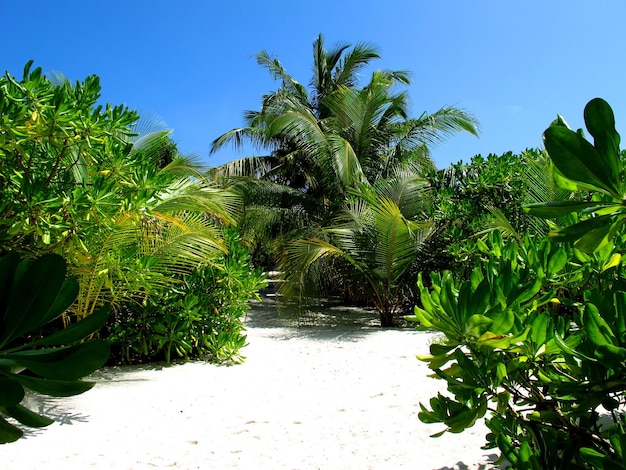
pixel 201 317
pixel 33 294
pixel 537 336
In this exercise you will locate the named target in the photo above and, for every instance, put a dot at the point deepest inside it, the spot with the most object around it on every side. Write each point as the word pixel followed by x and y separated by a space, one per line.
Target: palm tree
pixel 324 144
pixel 154 224
pixel 335 105
pixel 375 242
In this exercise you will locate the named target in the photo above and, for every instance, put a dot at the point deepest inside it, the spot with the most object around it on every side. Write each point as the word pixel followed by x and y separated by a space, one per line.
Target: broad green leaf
pixel 480 299
pixel 600 122
pixel 8 266
pixel 500 373
pixel 578 160
pixel 539 329
pixel 28 417
pixel 477 324
pixel 78 330
pixel 438 349
pixel 8 432
pixel 595 239
pixel 11 392
pixel 608 352
pixel 569 345
pixel 34 291
pixel 552 210
pixel 596 328
pixel 502 322
pixel 576 231
pixel 68 363
pixel 64 299
pixel 557 261
pixel 54 388
pixel 613 261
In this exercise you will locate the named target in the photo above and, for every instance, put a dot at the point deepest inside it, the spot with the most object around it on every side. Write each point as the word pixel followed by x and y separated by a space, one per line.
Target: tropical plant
pixel 467 200
pixel 124 209
pixel 537 335
pixel 33 294
pixel 201 317
pixel 375 239
pixel 341 128
pixel 326 144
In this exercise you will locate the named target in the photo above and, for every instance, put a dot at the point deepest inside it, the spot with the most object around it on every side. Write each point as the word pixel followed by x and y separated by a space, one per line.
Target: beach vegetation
pixel 107 191
pixel 36 353
pixel 334 149
pixel 201 317
pixel 533 339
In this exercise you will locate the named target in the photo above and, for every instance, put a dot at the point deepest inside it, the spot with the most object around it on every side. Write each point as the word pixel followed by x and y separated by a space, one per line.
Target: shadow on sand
pixel 489 466
pixel 54 408
pixel 326 321
pixel 491 458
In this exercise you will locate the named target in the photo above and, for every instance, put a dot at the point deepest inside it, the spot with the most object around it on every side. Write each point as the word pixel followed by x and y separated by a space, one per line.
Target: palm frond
pixel 347 69
pixel 431 129
pixel 255 167
pixel 277 72
pixel 499 222
pixel 238 136
pixel 345 162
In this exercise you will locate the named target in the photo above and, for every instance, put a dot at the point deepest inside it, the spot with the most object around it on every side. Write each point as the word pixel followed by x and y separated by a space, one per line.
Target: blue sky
pixel 513 64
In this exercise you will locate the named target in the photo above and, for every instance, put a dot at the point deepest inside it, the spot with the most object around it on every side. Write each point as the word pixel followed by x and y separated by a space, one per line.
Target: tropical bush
pixel 199 317
pixel 370 245
pixel 467 200
pixel 325 144
pixel 536 337
pixel 33 354
pixel 86 182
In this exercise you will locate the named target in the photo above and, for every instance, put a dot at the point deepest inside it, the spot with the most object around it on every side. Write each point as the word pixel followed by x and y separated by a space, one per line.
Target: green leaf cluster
pixel 98 186
pixel 201 317
pixel 536 336
pixel 34 293
pixel 597 168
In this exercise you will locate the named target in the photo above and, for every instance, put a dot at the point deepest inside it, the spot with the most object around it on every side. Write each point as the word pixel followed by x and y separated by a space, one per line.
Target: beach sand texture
pixel 333 392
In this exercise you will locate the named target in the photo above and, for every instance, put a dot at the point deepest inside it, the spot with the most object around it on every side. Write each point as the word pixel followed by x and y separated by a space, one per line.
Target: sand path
pixel 333 393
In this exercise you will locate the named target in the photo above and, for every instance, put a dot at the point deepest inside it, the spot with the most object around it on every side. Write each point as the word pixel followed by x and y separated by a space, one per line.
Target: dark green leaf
pixel 594 239
pixel 28 417
pixel 34 291
pixel 8 432
pixel 11 392
pixel 557 261
pixel 65 298
pixel 552 210
pixel 68 363
pixel 78 330
pixel 54 388
pixel 578 160
pixel 596 328
pixel 8 266
pixel 600 122
pixel 578 230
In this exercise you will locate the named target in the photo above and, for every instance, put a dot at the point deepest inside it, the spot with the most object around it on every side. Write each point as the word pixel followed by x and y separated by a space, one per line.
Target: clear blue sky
pixel 513 64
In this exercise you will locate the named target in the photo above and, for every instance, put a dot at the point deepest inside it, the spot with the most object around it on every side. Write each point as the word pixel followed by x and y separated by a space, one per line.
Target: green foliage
pixel 597 168
pixel 124 209
pixel 488 193
pixel 323 146
pixel 200 317
pixel 34 293
pixel 536 336
pixel 373 242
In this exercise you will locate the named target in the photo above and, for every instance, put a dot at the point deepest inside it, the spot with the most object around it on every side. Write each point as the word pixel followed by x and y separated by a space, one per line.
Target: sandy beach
pixel 330 391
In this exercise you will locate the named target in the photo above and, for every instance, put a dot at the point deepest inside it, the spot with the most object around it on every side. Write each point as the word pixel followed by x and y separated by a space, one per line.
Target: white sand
pixel 320 396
